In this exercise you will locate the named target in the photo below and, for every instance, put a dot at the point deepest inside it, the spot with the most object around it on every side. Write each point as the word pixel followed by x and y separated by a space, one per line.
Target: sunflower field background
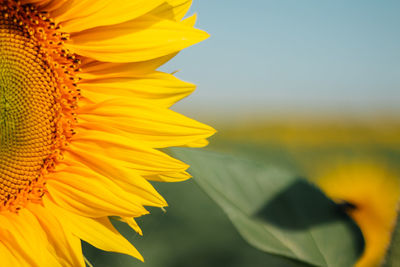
pixel 305 167
pixel 292 136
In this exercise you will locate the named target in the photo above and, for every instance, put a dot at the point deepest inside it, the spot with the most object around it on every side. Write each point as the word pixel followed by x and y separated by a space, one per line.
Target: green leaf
pixel 276 211
pixel 393 255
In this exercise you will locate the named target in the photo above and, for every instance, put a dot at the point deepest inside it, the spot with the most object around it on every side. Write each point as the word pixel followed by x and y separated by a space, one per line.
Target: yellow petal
pixel 86 14
pixel 65 245
pixel 93 69
pixel 51 5
pixel 198 143
pixel 11 258
pixel 145 125
pixel 173 177
pixel 133 224
pixel 35 2
pixel 115 170
pixel 158 88
pixel 173 9
pixel 131 153
pixel 190 21
pixel 97 232
pixel 23 235
pixel 87 193
pixel 141 39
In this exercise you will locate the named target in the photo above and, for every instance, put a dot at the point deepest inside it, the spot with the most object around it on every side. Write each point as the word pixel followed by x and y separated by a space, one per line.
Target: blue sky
pixel 290 55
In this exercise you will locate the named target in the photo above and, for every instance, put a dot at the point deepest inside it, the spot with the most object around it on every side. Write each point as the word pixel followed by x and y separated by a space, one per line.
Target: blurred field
pixel 308 144
pixel 195 232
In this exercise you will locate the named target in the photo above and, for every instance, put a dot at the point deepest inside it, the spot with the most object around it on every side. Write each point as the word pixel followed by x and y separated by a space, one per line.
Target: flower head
pixel 373 192
pixel 82 114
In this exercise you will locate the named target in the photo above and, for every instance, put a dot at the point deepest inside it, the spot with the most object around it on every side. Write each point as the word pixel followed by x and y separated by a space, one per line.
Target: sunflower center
pixel 37 96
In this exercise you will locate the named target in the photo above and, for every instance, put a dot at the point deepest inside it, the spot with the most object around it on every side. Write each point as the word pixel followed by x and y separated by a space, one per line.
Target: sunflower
pixel 371 191
pixel 83 115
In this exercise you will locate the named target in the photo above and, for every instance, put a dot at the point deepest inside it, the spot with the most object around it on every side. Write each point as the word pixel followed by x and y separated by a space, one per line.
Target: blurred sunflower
pixel 83 111
pixel 371 192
